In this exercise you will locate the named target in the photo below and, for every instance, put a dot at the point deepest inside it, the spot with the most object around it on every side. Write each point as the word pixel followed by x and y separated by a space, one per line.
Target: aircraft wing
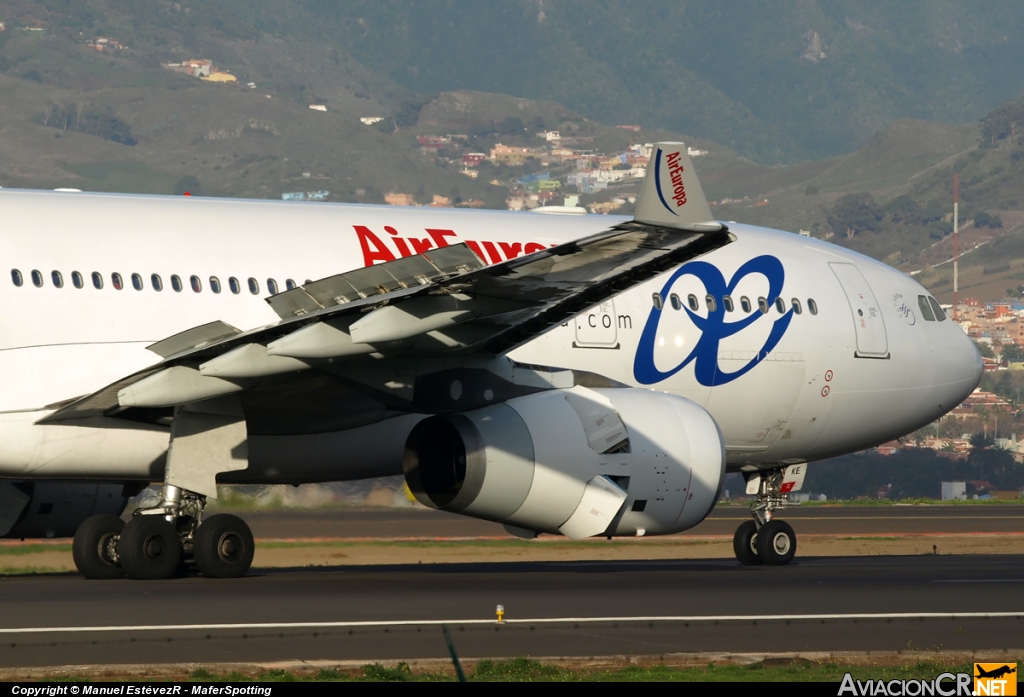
pixel 445 303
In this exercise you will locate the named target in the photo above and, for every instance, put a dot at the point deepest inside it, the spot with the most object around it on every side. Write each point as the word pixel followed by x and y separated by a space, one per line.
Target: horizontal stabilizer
pixel 671 194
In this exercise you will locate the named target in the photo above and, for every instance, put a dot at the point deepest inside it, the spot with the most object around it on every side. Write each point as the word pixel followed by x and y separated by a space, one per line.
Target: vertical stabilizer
pixel 671 195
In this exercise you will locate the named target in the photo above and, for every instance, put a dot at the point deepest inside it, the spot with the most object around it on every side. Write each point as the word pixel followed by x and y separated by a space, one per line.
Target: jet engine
pixel 580 462
pixel 53 508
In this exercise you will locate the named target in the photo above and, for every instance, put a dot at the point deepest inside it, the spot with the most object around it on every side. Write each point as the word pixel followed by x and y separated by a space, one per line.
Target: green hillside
pixel 779 82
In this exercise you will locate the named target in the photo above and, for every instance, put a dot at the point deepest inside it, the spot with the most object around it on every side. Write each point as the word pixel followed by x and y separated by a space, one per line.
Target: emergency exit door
pixel 867 315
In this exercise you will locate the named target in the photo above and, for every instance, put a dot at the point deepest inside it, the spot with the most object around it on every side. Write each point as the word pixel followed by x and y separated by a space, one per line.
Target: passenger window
pixel 214 284
pixel 97 280
pixel 693 303
pixel 176 283
pixel 939 314
pixel 77 280
pixel 289 284
pixel 727 301
pixel 116 281
pixel 812 306
pixel 37 278
pixel 745 303
pixel 156 282
pixel 234 285
pixel 780 305
pixel 710 301
pixel 926 309
pixel 137 281
pixel 254 286
pixel 797 309
pixel 762 305
pixel 197 285
pixel 677 304
pixel 58 280
pixel 272 286
pixel 658 302
pixel 17 278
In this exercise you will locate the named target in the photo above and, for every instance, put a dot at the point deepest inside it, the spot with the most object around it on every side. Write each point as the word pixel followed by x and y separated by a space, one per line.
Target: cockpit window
pixel 926 309
pixel 939 314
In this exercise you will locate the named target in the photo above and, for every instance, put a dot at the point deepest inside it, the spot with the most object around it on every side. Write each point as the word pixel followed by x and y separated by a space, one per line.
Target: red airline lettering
pixel 675 172
pixel 373 249
pixel 376 249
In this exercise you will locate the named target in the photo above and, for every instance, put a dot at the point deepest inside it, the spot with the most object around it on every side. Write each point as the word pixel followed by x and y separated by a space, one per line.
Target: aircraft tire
pixel 776 543
pixel 150 548
pixel 223 547
pixel 744 544
pixel 90 547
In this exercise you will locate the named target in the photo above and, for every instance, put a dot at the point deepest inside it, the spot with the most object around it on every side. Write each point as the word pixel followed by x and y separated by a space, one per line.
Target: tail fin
pixel 671 195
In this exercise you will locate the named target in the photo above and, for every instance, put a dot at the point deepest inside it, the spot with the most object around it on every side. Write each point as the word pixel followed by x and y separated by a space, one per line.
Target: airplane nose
pixel 964 365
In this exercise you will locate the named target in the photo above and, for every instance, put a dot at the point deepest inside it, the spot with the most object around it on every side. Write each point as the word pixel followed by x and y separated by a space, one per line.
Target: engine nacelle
pixel 578 461
pixel 54 508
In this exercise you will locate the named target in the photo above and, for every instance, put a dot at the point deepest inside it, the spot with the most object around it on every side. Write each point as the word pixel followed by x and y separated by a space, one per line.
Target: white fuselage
pixel 865 368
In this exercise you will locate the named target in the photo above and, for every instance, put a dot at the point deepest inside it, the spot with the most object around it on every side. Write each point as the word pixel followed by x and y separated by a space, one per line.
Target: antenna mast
pixel 956 246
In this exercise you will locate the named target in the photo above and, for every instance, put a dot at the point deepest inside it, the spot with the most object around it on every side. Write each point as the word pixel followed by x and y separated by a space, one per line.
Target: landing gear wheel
pixel 776 543
pixel 744 544
pixel 150 548
pixel 223 547
pixel 95 547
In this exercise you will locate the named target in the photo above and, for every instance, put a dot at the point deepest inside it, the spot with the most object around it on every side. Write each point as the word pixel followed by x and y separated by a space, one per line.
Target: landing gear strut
pixel 157 541
pixel 765 540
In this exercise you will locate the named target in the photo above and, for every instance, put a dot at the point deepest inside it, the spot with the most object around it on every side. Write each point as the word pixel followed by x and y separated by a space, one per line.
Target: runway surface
pixel 593 610
pixel 821 520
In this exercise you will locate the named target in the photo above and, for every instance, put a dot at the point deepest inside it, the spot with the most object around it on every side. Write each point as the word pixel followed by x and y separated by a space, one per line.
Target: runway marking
pixel 538 620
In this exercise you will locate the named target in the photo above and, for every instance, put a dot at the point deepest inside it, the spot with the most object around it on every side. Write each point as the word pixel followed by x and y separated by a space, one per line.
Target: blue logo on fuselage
pixel 713 328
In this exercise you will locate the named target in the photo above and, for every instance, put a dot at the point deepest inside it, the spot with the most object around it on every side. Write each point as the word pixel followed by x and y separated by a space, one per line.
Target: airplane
pixel 995 672
pixel 575 375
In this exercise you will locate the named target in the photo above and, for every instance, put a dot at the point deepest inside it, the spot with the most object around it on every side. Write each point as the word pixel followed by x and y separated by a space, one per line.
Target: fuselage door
pixel 596 328
pixel 867 316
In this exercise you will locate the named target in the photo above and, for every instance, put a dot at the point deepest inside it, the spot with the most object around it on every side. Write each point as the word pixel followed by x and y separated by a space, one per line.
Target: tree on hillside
pixel 990 220
pixel 985 349
pixel 1013 352
pixel 855 214
pixel 1002 123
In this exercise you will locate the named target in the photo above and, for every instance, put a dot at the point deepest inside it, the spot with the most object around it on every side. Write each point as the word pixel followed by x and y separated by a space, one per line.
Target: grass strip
pixel 529 670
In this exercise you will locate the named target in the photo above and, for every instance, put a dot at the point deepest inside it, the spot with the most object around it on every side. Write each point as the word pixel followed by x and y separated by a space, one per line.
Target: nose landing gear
pixel 765 540
pixel 157 541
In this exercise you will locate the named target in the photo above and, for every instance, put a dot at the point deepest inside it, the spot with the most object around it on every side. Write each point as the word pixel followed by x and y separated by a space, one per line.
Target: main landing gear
pixel 765 540
pixel 160 542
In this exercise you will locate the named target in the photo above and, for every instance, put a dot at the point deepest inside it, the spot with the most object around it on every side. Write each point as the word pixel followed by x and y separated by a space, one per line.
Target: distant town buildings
pixel 305 196
pixel 103 43
pixel 203 69
pixel 399 199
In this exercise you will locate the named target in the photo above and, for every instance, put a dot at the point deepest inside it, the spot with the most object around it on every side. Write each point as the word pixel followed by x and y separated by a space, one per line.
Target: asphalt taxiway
pixel 392 523
pixel 886 604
